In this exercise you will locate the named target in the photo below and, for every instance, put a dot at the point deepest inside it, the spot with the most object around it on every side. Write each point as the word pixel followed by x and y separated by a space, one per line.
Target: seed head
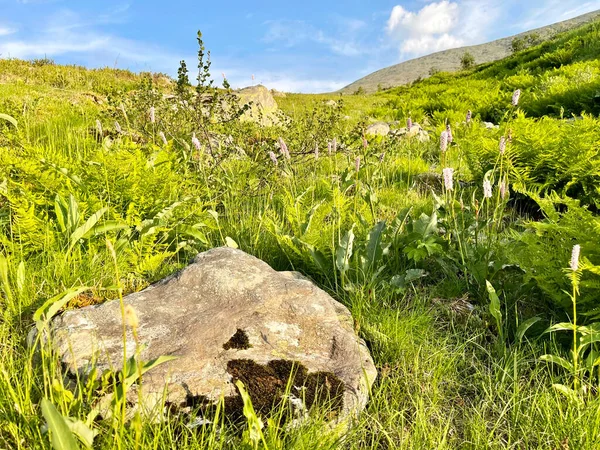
pixel 334 145
pixel 409 124
pixel 502 145
pixel 99 127
pixel 329 148
pixel 316 151
pixel 152 115
pixel 163 137
pixel 503 187
pixel 515 97
pixel 575 257
pixel 365 143
pixel 444 141
pixel 284 149
pixel 449 133
pixel 487 189
pixel 131 317
pixel 273 158
pixel 195 142
pixel 448 173
pixel 118 127
pixel 357 163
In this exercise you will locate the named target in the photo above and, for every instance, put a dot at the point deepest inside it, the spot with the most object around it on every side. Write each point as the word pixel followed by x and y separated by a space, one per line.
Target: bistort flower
pixel 448 173
pixel 162 137
pixel 487 189
pixel 575 257
pixel 195 142
pixel 444 141
pixel 515 97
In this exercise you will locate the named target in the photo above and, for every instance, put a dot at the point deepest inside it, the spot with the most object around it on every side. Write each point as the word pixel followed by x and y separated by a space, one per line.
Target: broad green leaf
pixel 131 373
pixel 9 119
pixel 414 274
pixel 344 251
pixel 108 226
pixel 588 339
pixel 494 304
pixel 563 326
pixel 21 277
pixel 557 360
pixel 84 433
pixel 4 277
pixel 524 326
pixel 61 436
pixel 53 305
pixel 398 281
pixel 187 230
pixel 84 229
pixel 254 423
pixel 374 250
pixel 317 256
pixel 61 212
pixel 73 217
pixel 567 392
pixel 230 242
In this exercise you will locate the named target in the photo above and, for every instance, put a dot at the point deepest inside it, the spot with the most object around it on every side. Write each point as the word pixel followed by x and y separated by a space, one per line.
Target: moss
pixel 238 341
pixel 267 384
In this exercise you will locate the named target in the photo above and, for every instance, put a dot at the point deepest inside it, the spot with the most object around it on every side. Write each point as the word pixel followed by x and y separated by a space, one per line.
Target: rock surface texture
pixel 263 107
pixel 378 129
pixel 227 317
pixel 415 131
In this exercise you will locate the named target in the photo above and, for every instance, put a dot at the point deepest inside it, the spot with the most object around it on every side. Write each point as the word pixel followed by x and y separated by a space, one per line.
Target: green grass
pixel 452 374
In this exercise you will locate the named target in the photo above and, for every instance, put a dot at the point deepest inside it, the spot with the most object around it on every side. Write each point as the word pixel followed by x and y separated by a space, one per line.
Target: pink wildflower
pixel 575 257
pixel 515 97
pixel 448 173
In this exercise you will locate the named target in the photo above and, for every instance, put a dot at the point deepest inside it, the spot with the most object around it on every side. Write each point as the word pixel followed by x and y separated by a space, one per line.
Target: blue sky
pixel 300 46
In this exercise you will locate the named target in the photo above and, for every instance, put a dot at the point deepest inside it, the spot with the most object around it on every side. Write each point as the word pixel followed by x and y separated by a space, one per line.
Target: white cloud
pixel 66 32
pixel 5 31
pixel 432 19
pixel 444 24
pixel 427 30
pixel 431 43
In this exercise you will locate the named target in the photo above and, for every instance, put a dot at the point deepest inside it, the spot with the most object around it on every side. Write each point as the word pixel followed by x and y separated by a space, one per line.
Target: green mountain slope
pixel 449 60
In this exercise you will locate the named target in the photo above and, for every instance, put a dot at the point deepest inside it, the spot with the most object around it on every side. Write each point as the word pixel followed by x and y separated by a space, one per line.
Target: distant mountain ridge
pixel 449 60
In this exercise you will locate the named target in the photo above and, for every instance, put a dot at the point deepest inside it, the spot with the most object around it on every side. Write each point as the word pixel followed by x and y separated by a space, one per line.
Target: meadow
pixel 470 262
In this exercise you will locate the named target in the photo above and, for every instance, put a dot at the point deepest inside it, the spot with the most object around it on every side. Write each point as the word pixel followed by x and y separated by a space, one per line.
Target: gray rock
pixel 378 129
pixel 277 93
pixel 490 125
pixel 415 131
pixel 228 316
pixel 263 109
pixel 331 103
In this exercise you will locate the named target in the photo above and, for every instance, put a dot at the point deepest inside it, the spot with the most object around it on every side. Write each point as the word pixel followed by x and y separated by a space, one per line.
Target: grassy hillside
pixel 449 60
pixel 470 264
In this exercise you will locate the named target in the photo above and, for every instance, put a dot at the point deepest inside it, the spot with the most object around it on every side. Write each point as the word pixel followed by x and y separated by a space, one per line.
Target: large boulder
pixel 227 317
pixel 263 107
pixel 416 131
pixel 378 129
